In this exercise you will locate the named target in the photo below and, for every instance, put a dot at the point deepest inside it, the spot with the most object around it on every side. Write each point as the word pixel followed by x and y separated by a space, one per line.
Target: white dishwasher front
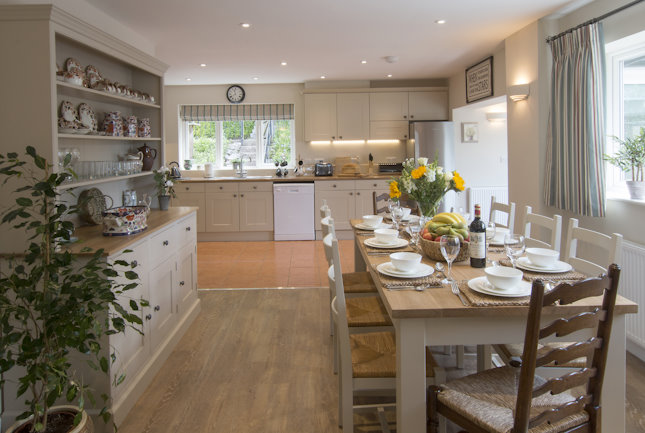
pixel 293 211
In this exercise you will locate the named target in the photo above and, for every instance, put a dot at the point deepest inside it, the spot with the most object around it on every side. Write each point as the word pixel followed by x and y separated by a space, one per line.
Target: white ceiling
pixel 328 37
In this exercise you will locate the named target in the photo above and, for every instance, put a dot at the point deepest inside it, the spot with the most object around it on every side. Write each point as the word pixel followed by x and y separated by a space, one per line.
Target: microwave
pixel 323 169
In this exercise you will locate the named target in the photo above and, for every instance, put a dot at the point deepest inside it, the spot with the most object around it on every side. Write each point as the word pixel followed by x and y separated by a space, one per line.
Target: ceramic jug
pixel 149 155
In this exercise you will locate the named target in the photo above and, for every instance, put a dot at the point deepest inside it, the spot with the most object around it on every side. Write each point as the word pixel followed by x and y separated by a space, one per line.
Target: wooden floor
pixel 260 360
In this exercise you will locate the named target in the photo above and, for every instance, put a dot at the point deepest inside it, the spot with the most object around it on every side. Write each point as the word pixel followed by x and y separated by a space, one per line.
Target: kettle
pixel 174 171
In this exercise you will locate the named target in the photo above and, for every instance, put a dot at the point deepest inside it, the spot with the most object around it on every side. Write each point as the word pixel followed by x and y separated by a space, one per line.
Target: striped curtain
pixel 575 176
pixel 236 112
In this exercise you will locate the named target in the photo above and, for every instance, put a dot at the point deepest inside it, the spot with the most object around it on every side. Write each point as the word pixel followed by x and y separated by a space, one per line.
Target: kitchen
pixel 516 54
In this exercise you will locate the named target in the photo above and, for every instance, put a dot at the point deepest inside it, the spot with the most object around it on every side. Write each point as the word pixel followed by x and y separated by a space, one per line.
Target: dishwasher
pixel 293 212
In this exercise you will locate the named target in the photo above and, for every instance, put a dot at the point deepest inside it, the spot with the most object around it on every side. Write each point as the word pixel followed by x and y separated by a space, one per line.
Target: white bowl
pixel 405 262
pixel 372 220
pixel 386 236
pixel 503 277
pixel 406 211
pixel 542 257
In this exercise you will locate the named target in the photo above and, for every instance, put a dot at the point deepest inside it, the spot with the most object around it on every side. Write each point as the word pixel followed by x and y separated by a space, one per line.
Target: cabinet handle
pixel 334 185
pixel 234 195
pixel 157 308
pixel 187 188
pixel 135 263
pixel 181 283
pixel 333 137
pixel 165 243
pixel 374 185
pixel 148 316
pixel 351 193
pixel 188 228
pixel 255 187
pixel 405 136
pixel 358 193
pixel 221 187
pixel 411 117
pixel 405 117
pixel 241 195
pixel 340 137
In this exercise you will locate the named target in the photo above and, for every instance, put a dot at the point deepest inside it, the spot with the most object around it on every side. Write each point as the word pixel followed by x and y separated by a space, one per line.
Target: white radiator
pixel 632 280
pixel 481 195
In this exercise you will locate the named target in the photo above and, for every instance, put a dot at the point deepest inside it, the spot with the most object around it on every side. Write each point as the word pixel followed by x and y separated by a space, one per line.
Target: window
pixel 626 101
pixel 259 135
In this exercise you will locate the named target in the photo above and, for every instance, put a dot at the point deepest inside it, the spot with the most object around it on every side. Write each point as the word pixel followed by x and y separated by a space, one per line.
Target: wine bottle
pixel 477 231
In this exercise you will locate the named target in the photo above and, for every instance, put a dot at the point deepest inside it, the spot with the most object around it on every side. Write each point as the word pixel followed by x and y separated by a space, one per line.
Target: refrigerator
pixel 432 139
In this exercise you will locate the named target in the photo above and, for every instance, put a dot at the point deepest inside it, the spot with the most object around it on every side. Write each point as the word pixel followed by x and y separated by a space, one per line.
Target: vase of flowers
pixel 165 187
pixel 427 183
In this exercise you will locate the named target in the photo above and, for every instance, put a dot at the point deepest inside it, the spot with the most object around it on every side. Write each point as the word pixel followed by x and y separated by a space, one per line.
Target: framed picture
pixel 479 80
pixel 469 132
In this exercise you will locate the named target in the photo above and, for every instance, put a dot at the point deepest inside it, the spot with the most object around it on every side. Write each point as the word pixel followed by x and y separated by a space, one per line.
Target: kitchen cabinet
pixel 238 206
pixel 161 319
pixel 331 116
pixel 428 105
pixel 192 194
pixel 364 194
pixel 388 106
pixel 256 206
pixel 389 130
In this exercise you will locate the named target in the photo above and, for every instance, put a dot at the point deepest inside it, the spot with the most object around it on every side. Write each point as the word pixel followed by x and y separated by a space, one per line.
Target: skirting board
pixel 636 349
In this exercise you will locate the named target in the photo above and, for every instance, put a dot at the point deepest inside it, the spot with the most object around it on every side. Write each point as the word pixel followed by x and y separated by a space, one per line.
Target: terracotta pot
pixel 636 189
pixel 85 426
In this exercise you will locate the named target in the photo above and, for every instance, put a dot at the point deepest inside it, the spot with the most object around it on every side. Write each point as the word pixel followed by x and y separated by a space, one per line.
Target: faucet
pixel 240 168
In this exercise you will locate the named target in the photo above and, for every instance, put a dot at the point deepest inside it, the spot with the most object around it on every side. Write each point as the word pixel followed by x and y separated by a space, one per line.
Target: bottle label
pixel 478 245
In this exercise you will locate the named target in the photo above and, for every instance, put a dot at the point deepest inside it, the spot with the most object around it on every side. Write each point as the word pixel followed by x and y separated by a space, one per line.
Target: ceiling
pixel 329 37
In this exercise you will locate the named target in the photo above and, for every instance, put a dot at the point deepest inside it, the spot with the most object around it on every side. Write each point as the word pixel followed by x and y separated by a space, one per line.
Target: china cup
pixel 372 220
pixel 405 262
pixel 542 257
pixel 386 236
pixel 503 277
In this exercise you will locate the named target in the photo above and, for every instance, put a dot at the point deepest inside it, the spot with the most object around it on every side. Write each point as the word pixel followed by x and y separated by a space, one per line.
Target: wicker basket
pixel 433 250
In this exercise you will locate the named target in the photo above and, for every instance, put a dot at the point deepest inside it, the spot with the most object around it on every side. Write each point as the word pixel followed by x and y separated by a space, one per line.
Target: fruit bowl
pixel 432 249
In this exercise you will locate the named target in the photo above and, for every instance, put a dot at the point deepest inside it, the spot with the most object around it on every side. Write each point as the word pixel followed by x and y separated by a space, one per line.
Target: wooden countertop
pixel 92 236
pixel 288 179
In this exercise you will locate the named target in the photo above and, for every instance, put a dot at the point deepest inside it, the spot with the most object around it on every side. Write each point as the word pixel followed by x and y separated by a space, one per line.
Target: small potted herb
pixel 630 157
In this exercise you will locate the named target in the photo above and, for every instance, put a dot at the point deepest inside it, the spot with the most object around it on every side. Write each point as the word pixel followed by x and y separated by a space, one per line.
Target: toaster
pixel 323 169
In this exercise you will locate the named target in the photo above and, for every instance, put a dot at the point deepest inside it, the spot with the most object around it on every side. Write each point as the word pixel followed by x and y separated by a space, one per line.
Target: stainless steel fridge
pixel 432 139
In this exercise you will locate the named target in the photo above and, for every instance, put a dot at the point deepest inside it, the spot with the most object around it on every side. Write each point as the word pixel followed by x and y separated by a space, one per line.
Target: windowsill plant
pixel 630 158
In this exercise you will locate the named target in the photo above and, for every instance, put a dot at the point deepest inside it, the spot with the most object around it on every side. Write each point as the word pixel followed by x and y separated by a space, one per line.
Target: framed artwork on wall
pixel 469 132
pixel 479 80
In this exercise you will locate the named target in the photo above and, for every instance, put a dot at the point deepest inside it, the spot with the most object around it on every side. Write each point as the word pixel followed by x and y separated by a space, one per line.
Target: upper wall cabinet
pixel 428 105
pixel 389 106
pixel 331 116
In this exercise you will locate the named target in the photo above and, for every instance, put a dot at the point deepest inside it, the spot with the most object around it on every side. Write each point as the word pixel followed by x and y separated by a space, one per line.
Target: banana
pixel 456 233
pixel 444 230
pixel 462 232
pixel 460 225
pixel 459 217
pixel 444 218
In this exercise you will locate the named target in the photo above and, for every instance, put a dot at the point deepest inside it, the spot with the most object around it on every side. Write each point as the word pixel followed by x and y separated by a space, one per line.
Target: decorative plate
pixel 87 116
pixel 91 203
pixel 68 112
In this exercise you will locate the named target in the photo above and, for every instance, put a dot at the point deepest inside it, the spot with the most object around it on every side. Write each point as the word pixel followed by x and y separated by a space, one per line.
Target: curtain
pixel 575 177
pixel 236 112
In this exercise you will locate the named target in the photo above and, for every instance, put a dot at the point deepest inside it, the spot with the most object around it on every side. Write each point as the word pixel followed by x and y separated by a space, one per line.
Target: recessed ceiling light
pixel 389 75
pixel 363 61
pixel 245 25
pixel 440 21
pixel 256 78
pixel 283 63
pixel 188 79
pixel 203 65
pixel 322 77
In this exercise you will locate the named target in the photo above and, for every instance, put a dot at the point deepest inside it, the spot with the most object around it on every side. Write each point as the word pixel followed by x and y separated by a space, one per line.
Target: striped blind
pixel 236 112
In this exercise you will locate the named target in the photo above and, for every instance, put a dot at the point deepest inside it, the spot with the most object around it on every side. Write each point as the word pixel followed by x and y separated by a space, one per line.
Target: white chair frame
pixel 508 209
pixel 611 244
pixel 554 225
pixel 325 211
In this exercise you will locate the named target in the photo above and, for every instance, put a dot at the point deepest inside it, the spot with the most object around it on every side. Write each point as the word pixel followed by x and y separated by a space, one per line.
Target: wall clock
pixel 235 94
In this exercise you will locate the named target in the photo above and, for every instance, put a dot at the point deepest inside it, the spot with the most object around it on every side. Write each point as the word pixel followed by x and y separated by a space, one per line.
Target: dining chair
pixel 380 203
pixel 325 211
pixel 513 398
pixel 367 360
pixel 543 223
pixel 609 246
pixel 508 209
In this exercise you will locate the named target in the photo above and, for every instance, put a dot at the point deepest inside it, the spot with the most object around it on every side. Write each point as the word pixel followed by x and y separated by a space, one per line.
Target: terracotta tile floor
pixel 266 264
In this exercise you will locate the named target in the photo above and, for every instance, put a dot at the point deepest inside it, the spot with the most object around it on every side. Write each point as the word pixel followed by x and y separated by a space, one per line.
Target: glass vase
pixel 428 209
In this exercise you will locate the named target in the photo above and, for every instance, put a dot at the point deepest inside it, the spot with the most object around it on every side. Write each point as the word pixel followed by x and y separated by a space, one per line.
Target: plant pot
pixel 164 202
pixel 636 189
pixel 85 426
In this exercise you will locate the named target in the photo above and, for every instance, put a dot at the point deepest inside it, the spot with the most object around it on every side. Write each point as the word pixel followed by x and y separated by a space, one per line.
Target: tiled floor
pixel 266 264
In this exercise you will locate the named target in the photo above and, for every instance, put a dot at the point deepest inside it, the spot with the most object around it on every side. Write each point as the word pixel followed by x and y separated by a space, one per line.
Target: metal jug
pixel 174 171
pixel 149 155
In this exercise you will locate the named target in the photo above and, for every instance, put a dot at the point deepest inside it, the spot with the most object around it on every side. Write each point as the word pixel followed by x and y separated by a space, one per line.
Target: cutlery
pixel 418 287
pixel 455 291
pixel 364 233
pixel 439 267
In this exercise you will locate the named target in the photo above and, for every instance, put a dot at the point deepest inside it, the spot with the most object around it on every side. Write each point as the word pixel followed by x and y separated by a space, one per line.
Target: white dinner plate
pixel 366 227
pixel 481 285
pixel 558 268
pixel 388 268
pixel 373 242
pixel 498 240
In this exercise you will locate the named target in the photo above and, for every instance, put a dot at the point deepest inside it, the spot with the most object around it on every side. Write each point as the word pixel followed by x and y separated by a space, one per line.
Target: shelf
pixel 97 95
pixel 107 137
pixel 103 180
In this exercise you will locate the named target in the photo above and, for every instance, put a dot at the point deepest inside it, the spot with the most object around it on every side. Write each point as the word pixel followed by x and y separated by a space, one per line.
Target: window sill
pixel 623 196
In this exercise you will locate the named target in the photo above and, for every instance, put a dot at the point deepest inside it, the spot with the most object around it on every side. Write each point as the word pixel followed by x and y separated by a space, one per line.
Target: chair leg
pixel 335 344
pixel 447 350
pixel 432 415
pixel 460 356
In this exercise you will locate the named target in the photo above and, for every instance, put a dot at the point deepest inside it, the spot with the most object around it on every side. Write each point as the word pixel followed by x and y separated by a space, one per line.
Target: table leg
pixel 359 262
pixel 614 388
pixel 484 357
pixel 410 376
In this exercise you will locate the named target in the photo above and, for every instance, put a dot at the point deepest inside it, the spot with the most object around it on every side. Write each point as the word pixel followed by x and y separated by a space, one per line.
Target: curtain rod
pixel 594 20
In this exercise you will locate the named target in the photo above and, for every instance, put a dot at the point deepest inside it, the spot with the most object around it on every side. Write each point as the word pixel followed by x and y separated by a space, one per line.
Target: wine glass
pixel 449 249
pixel 490 235
pixel 414 228
pixel 514 246
pixel 396 213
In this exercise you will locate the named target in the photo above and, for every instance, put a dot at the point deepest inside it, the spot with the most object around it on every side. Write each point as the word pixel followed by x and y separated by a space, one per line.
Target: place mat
pixel 386 280
pixel 477 299
pixel 570 276
pixel 496 250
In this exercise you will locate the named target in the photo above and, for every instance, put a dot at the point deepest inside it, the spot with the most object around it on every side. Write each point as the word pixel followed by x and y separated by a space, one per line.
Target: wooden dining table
pixel 437 317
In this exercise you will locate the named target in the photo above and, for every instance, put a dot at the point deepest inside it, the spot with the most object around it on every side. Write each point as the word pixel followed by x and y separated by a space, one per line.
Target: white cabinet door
pixel 196 199
pixel 186 286
pixel 365 190
pixel 256 211
pixel 342 205
pixel 222 211
pixel 428 105
pixel 161 316
pixel 389 106
pixel 353 116
pixel 320 116
pixel 389 130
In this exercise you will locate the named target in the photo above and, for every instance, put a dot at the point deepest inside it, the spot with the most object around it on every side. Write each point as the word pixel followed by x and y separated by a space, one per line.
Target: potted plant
pixel 630 157
pixel 165 187
pixel 53 304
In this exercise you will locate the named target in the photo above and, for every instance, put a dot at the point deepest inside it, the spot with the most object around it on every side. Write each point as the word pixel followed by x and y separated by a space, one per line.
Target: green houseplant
pixel 53 304
pixel 165 187
pixel 630 157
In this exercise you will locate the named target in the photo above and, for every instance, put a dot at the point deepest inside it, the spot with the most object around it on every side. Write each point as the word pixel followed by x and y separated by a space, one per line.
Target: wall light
pixel 496 117
pixel 317 142
pixel 519 92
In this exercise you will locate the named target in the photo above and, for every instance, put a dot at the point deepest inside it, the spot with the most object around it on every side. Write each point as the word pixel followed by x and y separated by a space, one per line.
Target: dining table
pixel 434 316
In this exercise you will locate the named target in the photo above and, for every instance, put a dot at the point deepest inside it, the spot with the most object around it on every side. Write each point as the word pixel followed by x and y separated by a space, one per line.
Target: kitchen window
pixel 625 101
pixel 259 135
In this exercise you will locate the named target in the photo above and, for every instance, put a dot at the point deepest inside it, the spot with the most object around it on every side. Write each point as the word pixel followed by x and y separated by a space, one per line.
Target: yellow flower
pixel 394 189
pixel 459 181
pixel 418 172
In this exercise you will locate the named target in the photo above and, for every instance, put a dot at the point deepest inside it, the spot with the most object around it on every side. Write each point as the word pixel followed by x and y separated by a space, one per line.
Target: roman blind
pixel 236 112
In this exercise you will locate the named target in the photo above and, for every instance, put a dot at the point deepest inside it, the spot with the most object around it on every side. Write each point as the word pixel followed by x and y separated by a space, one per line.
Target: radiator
pixel 481 195
pixel 632 280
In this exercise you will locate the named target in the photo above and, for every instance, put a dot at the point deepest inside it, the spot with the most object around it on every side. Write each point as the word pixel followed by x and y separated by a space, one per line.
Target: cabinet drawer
pixel 256 186
pixel 187 230
pixel 189 187
pixel 163 244
pixel 221 187
pixel 335 185
pixel 374 184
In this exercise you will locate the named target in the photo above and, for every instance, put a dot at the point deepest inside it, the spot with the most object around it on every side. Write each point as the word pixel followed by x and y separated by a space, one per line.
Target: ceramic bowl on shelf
pixel 125 220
